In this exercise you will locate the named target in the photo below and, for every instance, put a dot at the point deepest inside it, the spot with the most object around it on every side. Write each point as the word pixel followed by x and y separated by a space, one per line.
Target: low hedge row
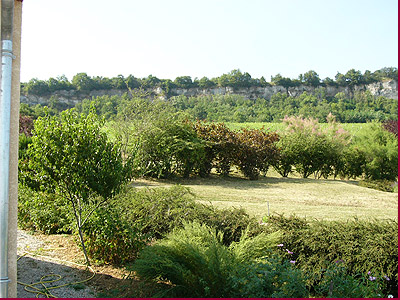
pixel 364 247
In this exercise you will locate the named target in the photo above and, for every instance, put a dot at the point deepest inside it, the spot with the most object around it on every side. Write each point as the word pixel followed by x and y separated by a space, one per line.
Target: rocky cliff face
pixel 388 89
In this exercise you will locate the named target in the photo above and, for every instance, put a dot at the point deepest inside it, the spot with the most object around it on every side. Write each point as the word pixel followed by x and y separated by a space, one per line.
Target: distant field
pixel 353 128
pixel 312 198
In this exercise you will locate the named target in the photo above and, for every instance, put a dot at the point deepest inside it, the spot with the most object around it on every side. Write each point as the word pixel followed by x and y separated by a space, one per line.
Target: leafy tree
pixel 132 82
pixel 340 79
pixel 166 147
pixel 311 78
pixel 102 83
pixel 36 87
pixel 71 157
pixel 387 72
pixel 381 152
pixel 184 82
pixel 150 82
pixel 59 83
pixel 119 82
pixel 353 77
pixel 206 83
pixel 83 82
pixel 283 81
pixel 329 81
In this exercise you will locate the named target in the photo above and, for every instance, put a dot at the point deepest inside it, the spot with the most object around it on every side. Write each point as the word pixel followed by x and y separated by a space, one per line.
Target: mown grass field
pixel 312 198
pixel 353 128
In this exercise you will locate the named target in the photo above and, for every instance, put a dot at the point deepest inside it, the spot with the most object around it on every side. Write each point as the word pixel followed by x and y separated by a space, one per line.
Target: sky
pixel 171 38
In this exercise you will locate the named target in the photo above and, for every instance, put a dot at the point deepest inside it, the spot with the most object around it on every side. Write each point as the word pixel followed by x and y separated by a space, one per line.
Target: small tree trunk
pixel 83 245
pixel 79 225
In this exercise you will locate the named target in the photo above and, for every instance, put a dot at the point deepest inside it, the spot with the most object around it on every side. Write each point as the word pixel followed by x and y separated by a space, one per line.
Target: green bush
pixel 251 150
pixel 112 239
pixel 221 146
pixel 160 210
pixel 381 153
pixel 256 151
pixel 364 246
pixel 168 146
pixel 195 263
pixel 311 150
pixel 337 283
pixel 40 211
pixel 116 232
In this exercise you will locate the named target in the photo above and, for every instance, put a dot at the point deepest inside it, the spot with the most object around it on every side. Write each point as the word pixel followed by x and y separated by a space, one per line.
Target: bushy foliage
pixel 160 210
pixel 195 263
pixel 380 184
pixel 111 238
pixel 364 246
pixel 251 150
pixel 221 146
pixel 71 157
pixel 337 283
pixel 391 126
pixel 380 148
pixel 256 151
pixel 310 149
pixel 116 232
pixel 44 212
pixel 168 146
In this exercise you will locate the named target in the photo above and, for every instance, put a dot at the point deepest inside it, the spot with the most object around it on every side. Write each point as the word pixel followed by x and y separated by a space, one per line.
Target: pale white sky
pixel 170 38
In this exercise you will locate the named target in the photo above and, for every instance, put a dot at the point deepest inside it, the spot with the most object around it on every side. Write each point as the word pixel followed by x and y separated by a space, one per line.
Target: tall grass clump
pixel 193 262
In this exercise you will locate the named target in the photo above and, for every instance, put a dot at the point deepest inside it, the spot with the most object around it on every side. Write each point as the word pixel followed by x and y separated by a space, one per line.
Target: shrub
pixel 168 146
pixel 337 283
pixel 160 210
pixel 352 163
pixel 256 151
pixel 251 150
pixel 195 263
pixel 112 239
pixel 221 146
pixel 380 185
pixel 381 153
pixel 45 212
pixel 364 246
pixel 310 149
pixel 71 156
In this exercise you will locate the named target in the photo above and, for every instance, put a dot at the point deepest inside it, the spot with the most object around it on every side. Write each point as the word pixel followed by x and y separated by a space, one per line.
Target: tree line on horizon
pixel 236 79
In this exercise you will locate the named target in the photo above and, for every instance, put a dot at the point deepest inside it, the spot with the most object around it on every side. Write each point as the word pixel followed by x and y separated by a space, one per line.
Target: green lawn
pixel 353 128
pixel 312 198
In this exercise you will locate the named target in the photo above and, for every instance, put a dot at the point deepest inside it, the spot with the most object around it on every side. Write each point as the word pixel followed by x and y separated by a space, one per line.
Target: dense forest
pixel 235 79
pixel 359 108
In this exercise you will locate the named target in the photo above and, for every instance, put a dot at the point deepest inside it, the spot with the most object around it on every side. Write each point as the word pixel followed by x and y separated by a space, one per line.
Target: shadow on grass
pixel 237 182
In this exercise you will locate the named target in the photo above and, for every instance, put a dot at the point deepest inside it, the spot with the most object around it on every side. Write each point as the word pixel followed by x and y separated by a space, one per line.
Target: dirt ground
pixel 55 256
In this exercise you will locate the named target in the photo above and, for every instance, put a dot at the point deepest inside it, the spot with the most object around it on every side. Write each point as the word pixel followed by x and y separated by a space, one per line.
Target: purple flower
pixel 369 273
pixel 386 277
pixel 339 261
pixel 372 278
pixel 290 252
pixel 292 261
pixel 280 245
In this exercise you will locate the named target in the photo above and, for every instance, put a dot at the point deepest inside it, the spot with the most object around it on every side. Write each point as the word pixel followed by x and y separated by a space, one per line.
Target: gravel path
pixel 32 267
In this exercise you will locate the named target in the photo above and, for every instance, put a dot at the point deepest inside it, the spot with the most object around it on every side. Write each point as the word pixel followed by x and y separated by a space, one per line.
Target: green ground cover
pixel 353 128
